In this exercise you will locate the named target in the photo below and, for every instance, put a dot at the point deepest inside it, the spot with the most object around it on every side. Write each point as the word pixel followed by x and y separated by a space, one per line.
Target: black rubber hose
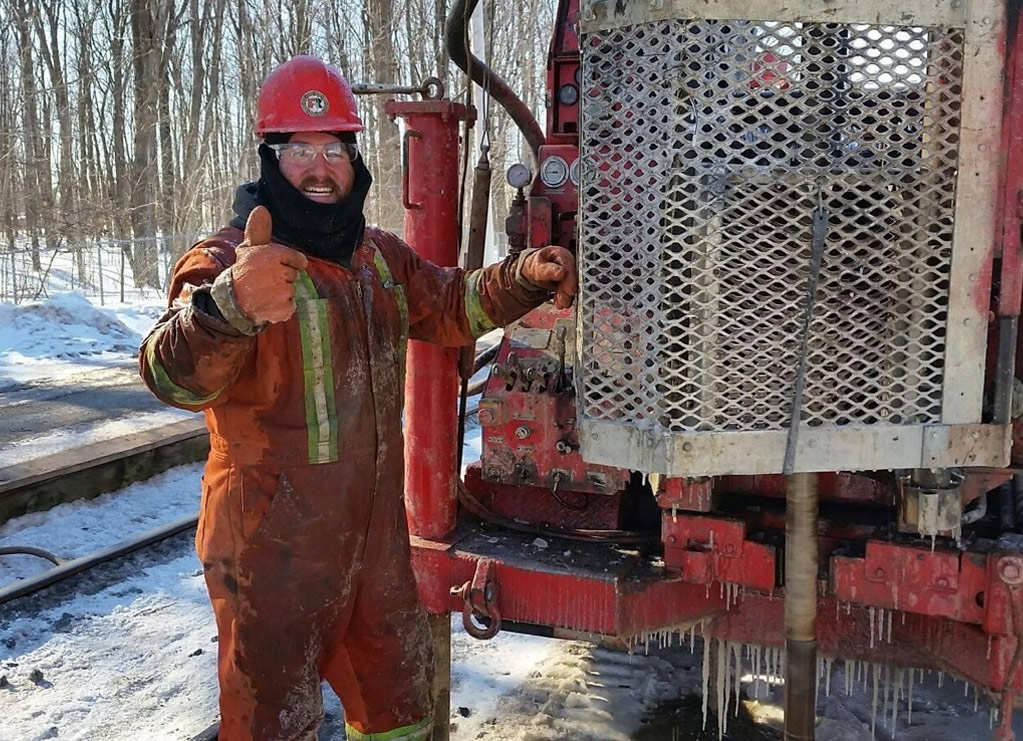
pixel 1017 496
pixel 77 565
pixel 486 78
pixel 25 550
pixel 1007 507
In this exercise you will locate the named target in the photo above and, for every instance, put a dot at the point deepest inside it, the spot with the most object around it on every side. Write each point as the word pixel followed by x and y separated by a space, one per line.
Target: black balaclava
pixel 328 230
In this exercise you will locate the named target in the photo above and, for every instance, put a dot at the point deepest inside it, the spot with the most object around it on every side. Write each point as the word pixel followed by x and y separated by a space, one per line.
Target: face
pixel 319 180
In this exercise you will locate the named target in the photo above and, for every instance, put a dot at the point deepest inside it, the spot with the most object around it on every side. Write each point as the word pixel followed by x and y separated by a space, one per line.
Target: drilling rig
pixel 784 409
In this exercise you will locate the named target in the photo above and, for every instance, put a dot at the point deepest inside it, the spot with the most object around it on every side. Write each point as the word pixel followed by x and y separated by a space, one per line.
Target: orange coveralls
pixel 302 533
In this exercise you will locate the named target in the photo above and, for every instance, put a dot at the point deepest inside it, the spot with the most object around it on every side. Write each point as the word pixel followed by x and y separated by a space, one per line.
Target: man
pixel 291 337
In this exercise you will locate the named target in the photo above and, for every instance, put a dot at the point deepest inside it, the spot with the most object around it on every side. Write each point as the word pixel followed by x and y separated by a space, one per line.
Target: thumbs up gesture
pixel 264 273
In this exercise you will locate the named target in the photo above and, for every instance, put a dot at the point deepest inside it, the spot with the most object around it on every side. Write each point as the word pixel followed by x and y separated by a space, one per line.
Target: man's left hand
pixel 553 268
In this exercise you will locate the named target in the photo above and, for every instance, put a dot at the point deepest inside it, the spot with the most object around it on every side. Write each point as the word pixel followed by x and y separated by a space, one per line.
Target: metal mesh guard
pixel 706 145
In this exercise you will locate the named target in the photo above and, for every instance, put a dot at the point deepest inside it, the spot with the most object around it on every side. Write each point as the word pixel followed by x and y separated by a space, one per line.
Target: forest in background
pixel 128 123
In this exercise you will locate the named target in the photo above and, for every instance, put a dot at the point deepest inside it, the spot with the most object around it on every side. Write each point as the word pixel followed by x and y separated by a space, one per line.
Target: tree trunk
pixel 383 65
pixel 144 171
pixel 30 129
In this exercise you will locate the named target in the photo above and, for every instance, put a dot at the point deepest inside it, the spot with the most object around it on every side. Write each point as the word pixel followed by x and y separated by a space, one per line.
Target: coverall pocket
pixel 258 488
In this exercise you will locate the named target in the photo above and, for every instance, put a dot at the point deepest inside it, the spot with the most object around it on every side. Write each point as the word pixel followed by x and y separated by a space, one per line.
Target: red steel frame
pixel 958 611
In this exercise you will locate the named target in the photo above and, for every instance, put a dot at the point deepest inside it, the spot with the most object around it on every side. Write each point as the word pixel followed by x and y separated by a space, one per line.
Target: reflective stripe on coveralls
pixel 479 322
pixel 416 732
pixel 384 273
pixel 164 384
pixel 317 371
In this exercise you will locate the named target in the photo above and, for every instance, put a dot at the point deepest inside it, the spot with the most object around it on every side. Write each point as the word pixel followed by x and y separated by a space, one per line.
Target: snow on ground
pixel 78 528
pixel 19 451
pixel 64 345
pixel 63 336
pixel 129 653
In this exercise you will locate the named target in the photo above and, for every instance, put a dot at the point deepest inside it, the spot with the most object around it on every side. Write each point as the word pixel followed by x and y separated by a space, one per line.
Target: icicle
pixel 721 589
pixel 910 718
pixel 721 690
pixel 966 688
pixel 871 617
pixel 848 679
pixel 848 608
pixel 692 638
pixel 828 663
pixel 990 718
pixel 989 647
pixel 903 618
pixel 895 699
pixel 889 626
pixel 941 679
pixel 756 672
pixel 976 698
pixel 886 676
pixel 873 704
pixel 674 514
pixel 817 682
pixel 932 543
pixel 706 677
pixel 738 678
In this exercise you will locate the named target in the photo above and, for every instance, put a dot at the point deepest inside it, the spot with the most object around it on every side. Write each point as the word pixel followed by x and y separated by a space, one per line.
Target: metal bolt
pixel 671 538
pixel 956 4
pixel 943 583
pixel 729 548
pixel 879 573
pixel 493 473
pixel 522 432
pixel 687 447
pixel 486 417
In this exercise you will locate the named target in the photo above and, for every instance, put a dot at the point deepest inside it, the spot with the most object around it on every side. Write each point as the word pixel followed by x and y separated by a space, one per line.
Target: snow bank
pixel 64 335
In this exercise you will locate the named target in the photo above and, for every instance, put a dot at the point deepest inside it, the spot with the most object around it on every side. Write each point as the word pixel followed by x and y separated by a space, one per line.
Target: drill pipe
pixel 800 606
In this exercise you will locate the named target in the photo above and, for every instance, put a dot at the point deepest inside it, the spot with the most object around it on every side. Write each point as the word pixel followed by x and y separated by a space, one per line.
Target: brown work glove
pixel 553 268
pixel 264 273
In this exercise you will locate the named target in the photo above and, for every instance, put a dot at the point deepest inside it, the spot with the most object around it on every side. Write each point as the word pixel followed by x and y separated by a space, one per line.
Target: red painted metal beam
pixel 430 185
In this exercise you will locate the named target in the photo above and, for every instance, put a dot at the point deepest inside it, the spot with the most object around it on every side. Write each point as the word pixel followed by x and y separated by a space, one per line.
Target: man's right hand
pixel 264 273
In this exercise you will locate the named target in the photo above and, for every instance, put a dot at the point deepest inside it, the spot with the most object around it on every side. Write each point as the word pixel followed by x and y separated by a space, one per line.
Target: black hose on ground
pixel 75 566
pixel 25 550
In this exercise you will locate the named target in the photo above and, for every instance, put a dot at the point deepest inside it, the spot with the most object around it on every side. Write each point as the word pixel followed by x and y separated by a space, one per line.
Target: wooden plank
pixel 87 471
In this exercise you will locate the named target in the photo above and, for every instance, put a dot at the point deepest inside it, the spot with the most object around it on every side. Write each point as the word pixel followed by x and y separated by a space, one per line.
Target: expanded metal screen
pixel 706 146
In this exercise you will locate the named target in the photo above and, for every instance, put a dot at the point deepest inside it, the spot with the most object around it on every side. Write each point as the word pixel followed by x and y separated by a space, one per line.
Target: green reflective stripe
pixel 317 371
pixel 402 300
pixel 164 385
pixel 479 322
pixel 415 732
pixel 398 291
pixel 382 270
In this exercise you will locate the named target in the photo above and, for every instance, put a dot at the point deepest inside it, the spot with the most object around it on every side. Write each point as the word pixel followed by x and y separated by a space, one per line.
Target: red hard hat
pixel 304 94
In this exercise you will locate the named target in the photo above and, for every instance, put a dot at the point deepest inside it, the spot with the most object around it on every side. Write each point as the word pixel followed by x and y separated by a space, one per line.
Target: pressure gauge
pixel 568 95
pixel 573 171
pixel 554 172
pixel 519 175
